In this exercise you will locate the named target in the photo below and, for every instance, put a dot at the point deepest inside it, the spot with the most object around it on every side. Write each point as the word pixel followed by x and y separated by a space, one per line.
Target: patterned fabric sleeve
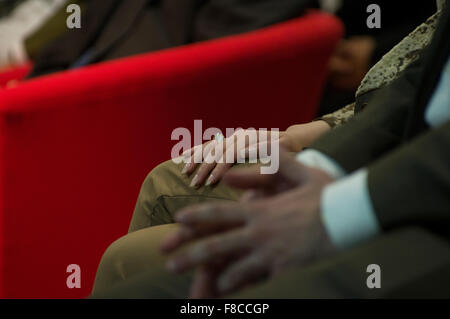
pixel 339 117
pixel 389 67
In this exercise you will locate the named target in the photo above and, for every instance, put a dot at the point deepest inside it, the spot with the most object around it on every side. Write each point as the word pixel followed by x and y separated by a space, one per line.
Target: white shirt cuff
pixel 316 159
pixel 347 211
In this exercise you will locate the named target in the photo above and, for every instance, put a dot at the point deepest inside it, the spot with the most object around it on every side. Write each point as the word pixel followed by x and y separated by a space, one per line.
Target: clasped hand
pixel 276 225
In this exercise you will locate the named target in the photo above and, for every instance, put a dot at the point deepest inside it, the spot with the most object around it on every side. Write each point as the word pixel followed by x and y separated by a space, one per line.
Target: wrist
pixel 303 135
pixel 286 142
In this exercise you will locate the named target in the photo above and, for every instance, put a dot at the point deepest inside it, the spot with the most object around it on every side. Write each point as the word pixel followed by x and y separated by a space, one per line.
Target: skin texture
pixel 277 225
pixel 351 62
pixel 210 172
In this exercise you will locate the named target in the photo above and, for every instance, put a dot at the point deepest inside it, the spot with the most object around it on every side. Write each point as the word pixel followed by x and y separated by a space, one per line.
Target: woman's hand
pixel 216 157
pixel 213 166
pixel 299 136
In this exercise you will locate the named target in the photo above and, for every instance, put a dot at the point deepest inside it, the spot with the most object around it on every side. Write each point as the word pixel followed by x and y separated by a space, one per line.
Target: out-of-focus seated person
pixel 115 29
pixel 20 20
pixel 363 46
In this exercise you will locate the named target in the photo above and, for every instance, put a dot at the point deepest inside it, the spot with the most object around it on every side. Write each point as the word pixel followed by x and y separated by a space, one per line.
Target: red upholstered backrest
pixel 14 74
pixel 75 147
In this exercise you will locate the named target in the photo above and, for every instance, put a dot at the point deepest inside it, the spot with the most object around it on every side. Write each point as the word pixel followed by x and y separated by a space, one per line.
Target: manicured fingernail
pixel 185 169
pixel 194 181
pixel 210 180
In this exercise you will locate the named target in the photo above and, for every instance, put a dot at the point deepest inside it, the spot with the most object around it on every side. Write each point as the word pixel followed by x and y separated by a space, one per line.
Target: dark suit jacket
pixel 408 162
pixel 117 28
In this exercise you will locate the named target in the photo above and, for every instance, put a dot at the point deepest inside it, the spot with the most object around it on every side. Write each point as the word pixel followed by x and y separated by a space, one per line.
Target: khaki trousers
pixel 164 192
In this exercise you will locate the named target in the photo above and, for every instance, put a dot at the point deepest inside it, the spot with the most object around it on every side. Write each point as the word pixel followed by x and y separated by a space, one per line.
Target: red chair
pixel 76 146
pixel 14 74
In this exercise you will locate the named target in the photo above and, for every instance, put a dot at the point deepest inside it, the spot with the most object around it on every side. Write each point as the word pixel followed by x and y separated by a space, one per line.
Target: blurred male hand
pixel 351 62
pixel 235 244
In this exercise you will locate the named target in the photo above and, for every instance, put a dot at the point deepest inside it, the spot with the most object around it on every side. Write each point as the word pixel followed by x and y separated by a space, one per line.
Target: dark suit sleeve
pixel 218 18
pixel 379 128
pixel 412 184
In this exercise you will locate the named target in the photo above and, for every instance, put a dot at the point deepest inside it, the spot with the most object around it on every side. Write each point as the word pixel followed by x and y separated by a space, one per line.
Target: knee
pixel 132 255
pixel 111 268
pixel 162 181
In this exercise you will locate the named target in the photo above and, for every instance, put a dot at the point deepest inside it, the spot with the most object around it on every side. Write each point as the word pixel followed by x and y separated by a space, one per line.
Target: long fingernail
pixel 185 169
pixel 194 181
pixel 210 180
